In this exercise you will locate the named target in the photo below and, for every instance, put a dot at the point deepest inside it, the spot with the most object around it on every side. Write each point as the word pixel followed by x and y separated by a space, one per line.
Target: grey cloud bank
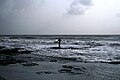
pixel 86 2
pixel 16 16
pixel 118 14
pixel 10 6
pixel 47 17
pixel 79 7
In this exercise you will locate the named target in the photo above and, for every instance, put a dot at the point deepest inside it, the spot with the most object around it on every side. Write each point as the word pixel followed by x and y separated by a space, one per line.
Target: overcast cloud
pixel 118 14
pixel 79 7
pixel 46 17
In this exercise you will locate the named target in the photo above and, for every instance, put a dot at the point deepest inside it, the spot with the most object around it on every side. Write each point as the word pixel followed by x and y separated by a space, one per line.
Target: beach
pixel 79 58
pixel 61 71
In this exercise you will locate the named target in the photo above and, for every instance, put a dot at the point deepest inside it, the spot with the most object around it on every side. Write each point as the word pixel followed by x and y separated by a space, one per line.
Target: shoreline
pixel 61 71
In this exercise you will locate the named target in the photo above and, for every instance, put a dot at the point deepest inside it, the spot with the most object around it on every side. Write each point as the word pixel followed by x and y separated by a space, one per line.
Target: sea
pixel 80 48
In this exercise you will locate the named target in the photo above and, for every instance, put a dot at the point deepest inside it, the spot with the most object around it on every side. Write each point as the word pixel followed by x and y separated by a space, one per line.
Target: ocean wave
pixel 75 48
pixel 114 44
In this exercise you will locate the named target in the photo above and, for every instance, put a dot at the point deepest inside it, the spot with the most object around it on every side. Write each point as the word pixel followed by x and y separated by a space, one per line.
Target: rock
pixel 48 72
pixel 45 72
pixel 1 78
pixel 53 60
pixel 7 59
pixel 30 64
pixel 115 44
pixel 39 73
pixel 72 70
pixel 4 62
pixel 77 68
pixel 1 47
pixel 14 51
pixel 114 62
pixel 68 58
pixel 25 52
pixel 66 66
pixel 83 68
pixel 64 70
pixel 9 51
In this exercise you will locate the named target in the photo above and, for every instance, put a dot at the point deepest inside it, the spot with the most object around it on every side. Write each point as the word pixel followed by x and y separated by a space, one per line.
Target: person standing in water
pixel 59 43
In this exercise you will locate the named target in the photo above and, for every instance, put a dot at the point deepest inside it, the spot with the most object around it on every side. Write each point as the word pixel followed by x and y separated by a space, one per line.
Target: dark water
pixel 90 48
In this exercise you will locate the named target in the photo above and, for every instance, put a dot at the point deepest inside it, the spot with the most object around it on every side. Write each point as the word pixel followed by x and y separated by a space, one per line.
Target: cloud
pixel 79 7
pixel 118 14
pixel 86 2
pixel 5 7
pixel 2 2
pixel 17 13
pixel 15 6
pixel 21 4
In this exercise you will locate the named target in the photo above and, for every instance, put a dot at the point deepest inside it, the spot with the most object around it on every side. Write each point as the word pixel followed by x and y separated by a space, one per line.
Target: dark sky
pixel 37 17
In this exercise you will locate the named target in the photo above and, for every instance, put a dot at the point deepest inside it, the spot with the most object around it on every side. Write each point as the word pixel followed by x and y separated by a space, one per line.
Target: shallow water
pixel 84 48
pixel 50 71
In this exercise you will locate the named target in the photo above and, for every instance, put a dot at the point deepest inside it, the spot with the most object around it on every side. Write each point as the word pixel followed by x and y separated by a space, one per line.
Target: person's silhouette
pixel 59 43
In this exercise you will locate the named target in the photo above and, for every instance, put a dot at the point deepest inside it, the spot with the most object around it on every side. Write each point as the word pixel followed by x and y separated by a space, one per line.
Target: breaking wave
pixel 74 48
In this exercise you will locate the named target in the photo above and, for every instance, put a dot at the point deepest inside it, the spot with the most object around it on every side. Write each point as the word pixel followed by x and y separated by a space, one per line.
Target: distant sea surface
pixel 88 48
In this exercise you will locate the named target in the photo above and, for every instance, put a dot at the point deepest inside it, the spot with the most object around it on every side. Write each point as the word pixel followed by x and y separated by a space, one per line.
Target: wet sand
pixel 79 58
pixel 61 71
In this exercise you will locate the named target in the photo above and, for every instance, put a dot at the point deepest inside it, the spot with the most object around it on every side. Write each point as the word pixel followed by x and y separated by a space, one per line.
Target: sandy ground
pixel 61 71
